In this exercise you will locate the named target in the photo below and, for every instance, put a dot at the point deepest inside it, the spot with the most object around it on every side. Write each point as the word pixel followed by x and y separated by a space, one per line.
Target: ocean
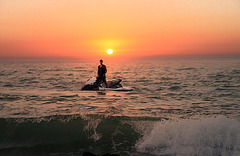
pixel 176 108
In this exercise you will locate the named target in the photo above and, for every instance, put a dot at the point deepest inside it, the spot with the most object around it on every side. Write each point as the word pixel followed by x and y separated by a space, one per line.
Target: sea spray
pixel 207 136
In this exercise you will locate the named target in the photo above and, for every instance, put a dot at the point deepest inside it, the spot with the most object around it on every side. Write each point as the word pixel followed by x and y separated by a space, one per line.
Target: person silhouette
pixel 102 70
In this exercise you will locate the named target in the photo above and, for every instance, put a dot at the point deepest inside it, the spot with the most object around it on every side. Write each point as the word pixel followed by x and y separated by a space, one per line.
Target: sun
pixel 109 51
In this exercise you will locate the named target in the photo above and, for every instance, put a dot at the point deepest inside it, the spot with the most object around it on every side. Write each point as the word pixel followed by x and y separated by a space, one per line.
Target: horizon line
pixel 146 56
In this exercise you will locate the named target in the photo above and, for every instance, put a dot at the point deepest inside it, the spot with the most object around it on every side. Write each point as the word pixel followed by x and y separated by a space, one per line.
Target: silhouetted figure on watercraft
pixel 97 83
pixel 102 70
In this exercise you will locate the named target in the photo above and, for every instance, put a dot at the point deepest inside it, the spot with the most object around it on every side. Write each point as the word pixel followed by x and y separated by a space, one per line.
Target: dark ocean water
pixel 175 108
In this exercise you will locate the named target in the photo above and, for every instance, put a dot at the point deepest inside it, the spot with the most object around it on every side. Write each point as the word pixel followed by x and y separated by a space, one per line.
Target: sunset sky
pixel 131 28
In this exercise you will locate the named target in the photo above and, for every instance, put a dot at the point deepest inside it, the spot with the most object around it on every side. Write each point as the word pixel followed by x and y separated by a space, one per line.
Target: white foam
pixel 209 136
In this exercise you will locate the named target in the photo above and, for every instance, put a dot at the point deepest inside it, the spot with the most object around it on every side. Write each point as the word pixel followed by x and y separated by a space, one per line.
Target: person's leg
pixel 105 81
pixel 98 80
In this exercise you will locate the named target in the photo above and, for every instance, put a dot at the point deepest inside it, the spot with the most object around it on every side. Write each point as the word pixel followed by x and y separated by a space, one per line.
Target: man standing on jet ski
pixel 102 70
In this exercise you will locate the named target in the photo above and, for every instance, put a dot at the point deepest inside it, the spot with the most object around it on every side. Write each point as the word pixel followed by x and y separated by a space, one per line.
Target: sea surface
pixel 176 108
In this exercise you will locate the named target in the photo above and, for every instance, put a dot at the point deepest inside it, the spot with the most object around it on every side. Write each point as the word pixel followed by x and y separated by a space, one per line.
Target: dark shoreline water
pixel 74 135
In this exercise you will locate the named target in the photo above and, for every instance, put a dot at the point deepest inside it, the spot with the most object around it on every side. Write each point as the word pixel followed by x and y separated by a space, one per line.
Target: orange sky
pixel 133 28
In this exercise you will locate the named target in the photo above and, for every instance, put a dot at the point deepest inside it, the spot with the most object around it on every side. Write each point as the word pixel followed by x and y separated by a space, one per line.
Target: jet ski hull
pixel 115 85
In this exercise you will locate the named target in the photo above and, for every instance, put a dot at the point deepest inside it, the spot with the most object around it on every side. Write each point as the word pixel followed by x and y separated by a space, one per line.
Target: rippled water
pixel 176 108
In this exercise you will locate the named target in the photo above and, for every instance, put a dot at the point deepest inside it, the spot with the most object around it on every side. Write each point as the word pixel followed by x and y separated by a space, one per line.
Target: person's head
pixel 101 61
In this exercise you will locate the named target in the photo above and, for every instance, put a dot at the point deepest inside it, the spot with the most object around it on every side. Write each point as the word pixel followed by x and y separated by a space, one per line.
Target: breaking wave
pixel 75 134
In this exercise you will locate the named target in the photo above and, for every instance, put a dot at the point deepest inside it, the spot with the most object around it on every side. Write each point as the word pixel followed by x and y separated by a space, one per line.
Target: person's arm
pixel 98 72
pixel 105 69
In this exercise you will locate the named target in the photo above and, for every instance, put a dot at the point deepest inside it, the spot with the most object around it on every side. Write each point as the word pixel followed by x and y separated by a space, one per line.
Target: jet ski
pixel 114 85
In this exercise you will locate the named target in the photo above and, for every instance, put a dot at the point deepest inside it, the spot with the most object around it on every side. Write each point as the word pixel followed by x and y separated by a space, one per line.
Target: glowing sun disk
pixel 109 51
